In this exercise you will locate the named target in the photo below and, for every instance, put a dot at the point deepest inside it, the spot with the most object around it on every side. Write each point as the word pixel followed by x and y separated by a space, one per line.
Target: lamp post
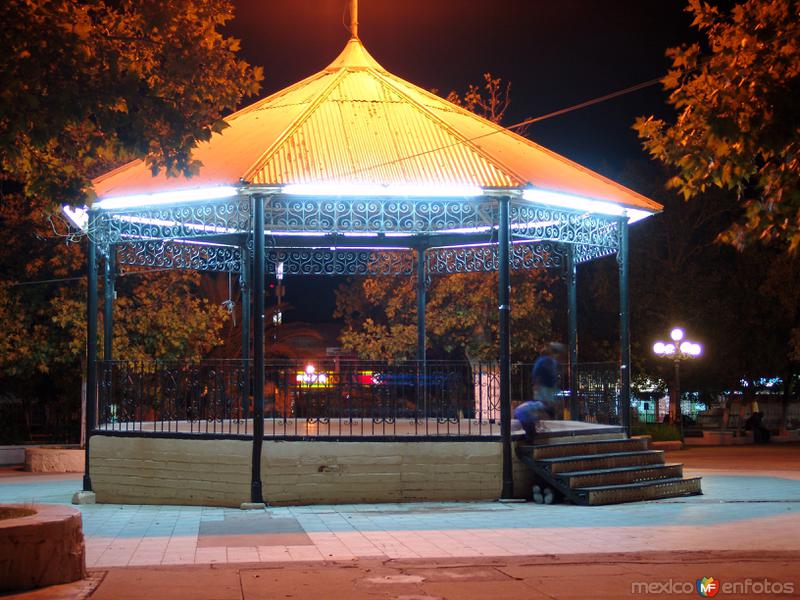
pixel 678 350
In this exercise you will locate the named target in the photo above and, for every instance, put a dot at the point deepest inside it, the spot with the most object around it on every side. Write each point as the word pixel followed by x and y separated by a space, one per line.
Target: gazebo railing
pixel 195 397
pixel 330 398
pixel 599 393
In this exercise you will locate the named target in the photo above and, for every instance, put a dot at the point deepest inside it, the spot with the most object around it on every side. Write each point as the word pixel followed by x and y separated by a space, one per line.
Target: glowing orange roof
pixel 353 122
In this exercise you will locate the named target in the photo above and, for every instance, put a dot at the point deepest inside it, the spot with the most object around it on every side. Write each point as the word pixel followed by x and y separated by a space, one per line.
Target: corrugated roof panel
pixel 362 86
pixel 302 92
pixel 365 132
pixel 227 156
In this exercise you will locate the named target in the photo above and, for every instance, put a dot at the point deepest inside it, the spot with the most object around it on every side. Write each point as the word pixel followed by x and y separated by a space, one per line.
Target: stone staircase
pixel 592 466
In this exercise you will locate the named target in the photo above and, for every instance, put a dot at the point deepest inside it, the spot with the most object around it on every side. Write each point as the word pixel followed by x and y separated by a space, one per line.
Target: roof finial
pixel 354 19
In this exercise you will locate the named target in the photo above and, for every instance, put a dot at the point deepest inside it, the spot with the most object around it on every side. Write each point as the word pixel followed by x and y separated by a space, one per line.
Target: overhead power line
pixel 563 111
pixel 593 101
pixel 82 277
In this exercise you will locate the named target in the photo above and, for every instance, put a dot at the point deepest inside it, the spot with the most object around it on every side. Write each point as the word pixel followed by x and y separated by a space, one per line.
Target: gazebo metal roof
pixel 356 124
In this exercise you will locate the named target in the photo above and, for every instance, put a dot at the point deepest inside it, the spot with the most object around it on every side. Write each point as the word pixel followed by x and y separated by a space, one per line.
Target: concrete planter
pixel 45 548
pixel 723 437
pixel 12 455
pixel 54 459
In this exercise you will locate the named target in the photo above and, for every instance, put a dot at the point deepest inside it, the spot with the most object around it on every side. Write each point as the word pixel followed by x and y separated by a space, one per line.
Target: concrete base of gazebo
pixel 217 472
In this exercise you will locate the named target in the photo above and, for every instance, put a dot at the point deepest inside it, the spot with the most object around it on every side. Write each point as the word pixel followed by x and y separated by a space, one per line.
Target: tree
pixel 283 341
pixel 491 101
pixel 741 305
pixel 461 315
pixel 43 302
pixel 43 310
pixel 738 103
pixel 87 85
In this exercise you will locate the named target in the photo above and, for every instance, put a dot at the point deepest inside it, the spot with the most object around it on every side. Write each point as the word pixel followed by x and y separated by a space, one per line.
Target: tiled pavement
pixel 740 511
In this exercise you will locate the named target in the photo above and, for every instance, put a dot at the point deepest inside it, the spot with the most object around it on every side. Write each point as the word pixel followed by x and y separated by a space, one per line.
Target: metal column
pixel 421 304
pixel 504 301
pixel 624 327
pixel 258 347
pixel 422 388
pixel 572 328
pixel 244 285
pixel 91 343
pixel 678 409
pixel 108 304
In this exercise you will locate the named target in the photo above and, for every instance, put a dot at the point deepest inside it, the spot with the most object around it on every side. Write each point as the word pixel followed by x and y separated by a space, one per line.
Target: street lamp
pixel 678 350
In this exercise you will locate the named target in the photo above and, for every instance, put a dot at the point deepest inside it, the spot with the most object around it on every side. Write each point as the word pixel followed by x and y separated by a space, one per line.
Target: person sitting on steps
pixel 545 385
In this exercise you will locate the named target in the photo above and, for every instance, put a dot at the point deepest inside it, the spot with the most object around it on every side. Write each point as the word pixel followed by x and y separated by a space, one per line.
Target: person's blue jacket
pixel 545 371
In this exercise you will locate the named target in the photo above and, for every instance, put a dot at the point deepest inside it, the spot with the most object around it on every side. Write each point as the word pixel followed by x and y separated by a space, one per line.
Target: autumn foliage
pixel 87 85
pixel 737 96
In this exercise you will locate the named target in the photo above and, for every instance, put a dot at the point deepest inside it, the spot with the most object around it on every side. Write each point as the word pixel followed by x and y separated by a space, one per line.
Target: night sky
pixel 556 54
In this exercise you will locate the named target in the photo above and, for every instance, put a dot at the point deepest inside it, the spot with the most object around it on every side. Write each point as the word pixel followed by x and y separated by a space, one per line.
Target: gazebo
pixel 351 171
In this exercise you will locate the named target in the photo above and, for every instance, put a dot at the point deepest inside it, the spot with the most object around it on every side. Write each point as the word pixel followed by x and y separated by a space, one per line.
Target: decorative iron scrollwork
pixel 180 255
pixel 340 262
pixel 585 254
pixel 553 224
pixel 385 215
pixel 190 220
pixel 538 255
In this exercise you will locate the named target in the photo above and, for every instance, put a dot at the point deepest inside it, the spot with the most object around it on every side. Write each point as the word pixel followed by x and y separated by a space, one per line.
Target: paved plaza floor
pixel 748 516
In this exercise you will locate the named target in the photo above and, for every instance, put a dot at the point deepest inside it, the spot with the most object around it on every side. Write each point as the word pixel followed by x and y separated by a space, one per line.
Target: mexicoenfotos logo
pixel 708 587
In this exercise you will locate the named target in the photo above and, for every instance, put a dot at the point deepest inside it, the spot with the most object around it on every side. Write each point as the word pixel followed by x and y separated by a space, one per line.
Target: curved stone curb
pixel 41 549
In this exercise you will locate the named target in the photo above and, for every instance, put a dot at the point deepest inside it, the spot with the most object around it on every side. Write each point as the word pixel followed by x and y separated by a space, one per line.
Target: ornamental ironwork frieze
pixel 554 224
pixel 190 220
pixel 539 255
pixel 382 215
pixel 584 254
pixel 340 262
pixel 179 255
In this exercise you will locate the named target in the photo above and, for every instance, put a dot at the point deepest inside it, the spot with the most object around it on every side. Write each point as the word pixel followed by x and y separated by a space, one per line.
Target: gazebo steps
pixel 562 438
pixel 556 432
pixel 609 469
pixel 642 490
pixel 584 447
pixel 601 461
pixel 620 475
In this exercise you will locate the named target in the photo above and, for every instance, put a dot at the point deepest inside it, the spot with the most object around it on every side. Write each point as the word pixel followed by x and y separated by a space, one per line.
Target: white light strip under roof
pixel 353 189
pixel 77 216
pixel 204 244
pixel 174 197
pixel 365 248
pixel 485 244
pixel 481 229
pixel 585 204
pixel 296 233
